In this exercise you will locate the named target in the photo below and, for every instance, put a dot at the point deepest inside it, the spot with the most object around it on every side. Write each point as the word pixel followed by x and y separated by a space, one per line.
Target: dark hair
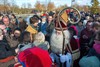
pixel 72 31
pixel 51 13
pixel 5 16
pixel 25 37
pixel 13 15
pixel 36 16
pixel 20 17
pixel 33 20
pixel 18 29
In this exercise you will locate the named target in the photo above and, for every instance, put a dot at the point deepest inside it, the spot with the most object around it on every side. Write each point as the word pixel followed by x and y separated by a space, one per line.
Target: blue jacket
pixel 42 27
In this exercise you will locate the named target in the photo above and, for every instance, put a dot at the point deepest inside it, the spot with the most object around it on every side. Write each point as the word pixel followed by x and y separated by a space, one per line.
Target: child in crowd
pixel 33 27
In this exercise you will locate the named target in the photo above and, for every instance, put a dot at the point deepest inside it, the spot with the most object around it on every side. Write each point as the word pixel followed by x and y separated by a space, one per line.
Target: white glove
pixel 68 59
pixel 75 37
pixel 17 50
pixel 62 58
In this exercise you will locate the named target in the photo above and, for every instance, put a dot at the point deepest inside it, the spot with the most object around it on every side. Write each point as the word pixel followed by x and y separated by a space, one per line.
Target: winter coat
pixel 42 27
pixel 50 28
pixel 12 41
pixel 83 41
pixel 5 50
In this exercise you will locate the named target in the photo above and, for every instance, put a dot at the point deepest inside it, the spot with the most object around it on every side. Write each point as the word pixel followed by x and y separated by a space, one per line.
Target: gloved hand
pixel 67 57
pixel 62 58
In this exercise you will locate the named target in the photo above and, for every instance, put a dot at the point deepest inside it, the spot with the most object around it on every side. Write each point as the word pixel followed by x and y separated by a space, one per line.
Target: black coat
pixel 5 50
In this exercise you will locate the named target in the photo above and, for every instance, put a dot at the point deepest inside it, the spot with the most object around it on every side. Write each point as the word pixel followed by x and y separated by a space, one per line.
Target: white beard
pixel 56 41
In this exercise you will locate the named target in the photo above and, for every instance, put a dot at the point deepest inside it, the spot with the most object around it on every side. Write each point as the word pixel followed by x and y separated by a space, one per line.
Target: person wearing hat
pixel 74 43
pixel 56 45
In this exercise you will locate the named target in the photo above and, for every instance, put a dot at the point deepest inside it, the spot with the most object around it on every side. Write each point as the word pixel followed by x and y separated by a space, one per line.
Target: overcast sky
pixel 57 2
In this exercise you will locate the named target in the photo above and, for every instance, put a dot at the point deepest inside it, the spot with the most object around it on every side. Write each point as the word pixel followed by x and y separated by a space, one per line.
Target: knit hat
pixel 57 26
pixel 63 21
pixel 75 29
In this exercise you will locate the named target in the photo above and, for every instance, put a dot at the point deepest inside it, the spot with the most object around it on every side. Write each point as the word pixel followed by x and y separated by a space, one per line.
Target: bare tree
pixel 29 5
pixel 38 6
pixel 51 6
pixel 24 5
pixel 5 3
pixel 13 5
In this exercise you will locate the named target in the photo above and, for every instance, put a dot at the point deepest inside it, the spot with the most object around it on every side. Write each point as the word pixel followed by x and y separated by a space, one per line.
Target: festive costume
pixel 56 43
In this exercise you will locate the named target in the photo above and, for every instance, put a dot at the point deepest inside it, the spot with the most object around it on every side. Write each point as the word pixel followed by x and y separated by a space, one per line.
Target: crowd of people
pixel 39 41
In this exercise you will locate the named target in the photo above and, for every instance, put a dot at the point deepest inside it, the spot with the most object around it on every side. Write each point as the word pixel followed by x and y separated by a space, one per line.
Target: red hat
pixel 57 26
pixel 75 29
pixel 63 21
pixel 35 57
